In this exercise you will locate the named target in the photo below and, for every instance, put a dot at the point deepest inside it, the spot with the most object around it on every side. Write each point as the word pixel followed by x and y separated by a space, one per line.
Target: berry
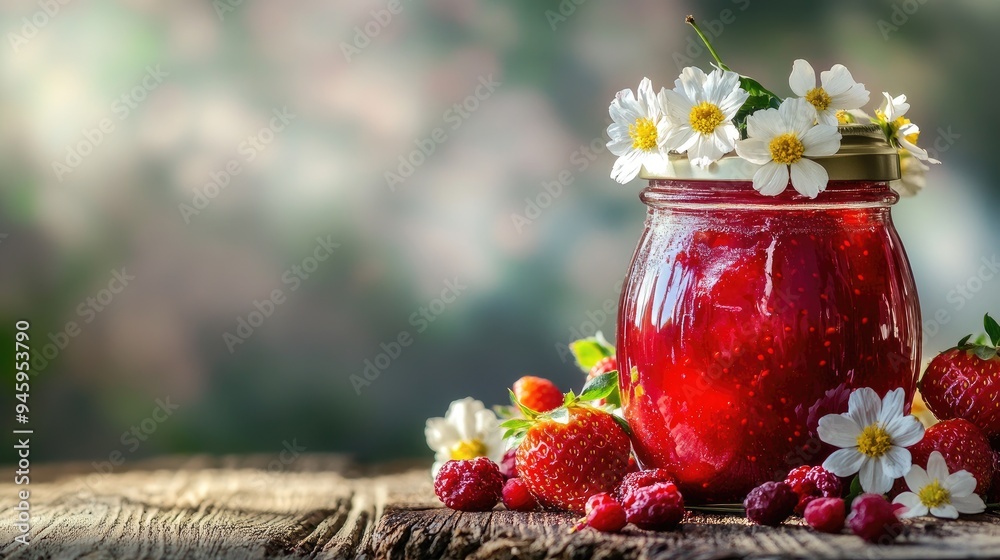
pixel 963 446
pixel 470 485
pixel 598 500
pixel 770 503
pixel 640 479
pixel 826 515
pixel 657 507
pixel 538 394
pixel 874 519
pixel 604 366
pixel 508 464
pixel 517 497
pixel 565 462
pixel 964 382
pixel 607 518
pixel 810 483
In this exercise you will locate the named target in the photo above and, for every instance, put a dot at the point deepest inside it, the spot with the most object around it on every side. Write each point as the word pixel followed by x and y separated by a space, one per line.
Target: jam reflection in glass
pixel 747 318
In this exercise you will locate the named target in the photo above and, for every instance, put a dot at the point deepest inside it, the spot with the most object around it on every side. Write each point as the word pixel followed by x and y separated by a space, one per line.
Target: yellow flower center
pixel 819 98
pixel 934 495
pixel 468 449
pixel 643 134
pixel 705 117
pixel 786 148
pixel 843 117
pixel 874 441
pixel 897 124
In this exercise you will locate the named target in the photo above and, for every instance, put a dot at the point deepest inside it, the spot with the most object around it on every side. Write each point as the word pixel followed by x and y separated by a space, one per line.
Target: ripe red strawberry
pixel 964 382
pixel 964 448
pixel 538 394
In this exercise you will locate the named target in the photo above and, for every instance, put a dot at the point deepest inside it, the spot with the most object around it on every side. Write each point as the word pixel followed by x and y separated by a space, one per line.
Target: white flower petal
pixel 896 462
pixel 844 462
pixel 678 107
pixel 809 178
pixel 936 467
pixel 655 163
pixel 837 80
pixel 440 434
pixel 969 504
pixel 894 107
pixel 839 430
pixel 905 430
pixel 960 484
pixel 691 83
pixel 892 406
pixel 864 406
pixel 771 179
pixel 647 99
pixel 914 507
pixel 945 511
pixel 704 151
pixel 802 78
pixel 754 150
pixel 821 140
pixel 620 146
pixel 798 115
pixel 917 478
pixel 854 98
pixel 462 415
pixel 765 125
pixel 827 117
pixel 627 167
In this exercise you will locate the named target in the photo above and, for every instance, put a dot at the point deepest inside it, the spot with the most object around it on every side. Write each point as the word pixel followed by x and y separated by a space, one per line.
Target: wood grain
pixel 325 506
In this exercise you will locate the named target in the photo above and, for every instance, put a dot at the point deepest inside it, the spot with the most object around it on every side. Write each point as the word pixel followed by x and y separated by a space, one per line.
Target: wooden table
pixel 324 506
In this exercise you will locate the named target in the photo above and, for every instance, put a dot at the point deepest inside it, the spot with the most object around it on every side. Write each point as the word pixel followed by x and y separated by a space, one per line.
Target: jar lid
pixel 864 155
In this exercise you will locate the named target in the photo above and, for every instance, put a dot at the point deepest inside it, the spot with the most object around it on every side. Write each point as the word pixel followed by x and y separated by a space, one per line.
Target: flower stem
pixel 690 21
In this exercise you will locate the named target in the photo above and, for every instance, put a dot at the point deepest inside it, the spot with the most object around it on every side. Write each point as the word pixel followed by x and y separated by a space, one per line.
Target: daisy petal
pixel 754 150
pixel 802 78
pixel 844 462
pixel 821 140
pixel 912 503
pixel 946 511
pixel 872 479
pixel 896 462
pixel 892 406
pixel 440 434
pixel 936 467
pixel 627 167
pixel 970 504
pixel 837 80
pixel 809 178
pixel 765 125
pixel 905 430
pixel 771 179
pixel 839 430
pixel 960 484
pixel 864 406
pixel 917 478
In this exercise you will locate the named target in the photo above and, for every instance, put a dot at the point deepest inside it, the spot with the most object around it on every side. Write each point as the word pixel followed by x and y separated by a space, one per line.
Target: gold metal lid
pixel 864 155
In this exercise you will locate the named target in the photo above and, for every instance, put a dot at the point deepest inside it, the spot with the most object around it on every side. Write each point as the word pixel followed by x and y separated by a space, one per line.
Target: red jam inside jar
pixel 747 318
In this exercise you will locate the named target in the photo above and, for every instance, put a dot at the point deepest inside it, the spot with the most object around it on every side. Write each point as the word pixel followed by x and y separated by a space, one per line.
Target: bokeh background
pixel 355 101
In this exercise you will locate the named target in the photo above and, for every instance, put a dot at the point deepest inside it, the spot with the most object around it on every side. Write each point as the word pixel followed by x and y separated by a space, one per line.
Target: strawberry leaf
pixel 985 352
pixel 854 492
pixel 600 387
pixel 760 98
pixel 516 424
pixel 589 351
pixel 527 412
pixel 560 415
pixel 962 343
pixel 623 423
pixel 992 329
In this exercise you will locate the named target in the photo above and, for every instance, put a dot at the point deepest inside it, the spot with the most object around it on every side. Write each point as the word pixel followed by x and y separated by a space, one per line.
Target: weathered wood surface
pixel 323 506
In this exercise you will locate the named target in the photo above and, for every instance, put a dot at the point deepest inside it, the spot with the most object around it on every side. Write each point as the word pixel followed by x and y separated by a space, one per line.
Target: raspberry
pixel 508 464
pixel 657 507
pixel 770 503
pixel 607 517
pixel 471 485
pixel 874 519
pixel 598 500
pixel 517 497
pixel 826 515
pixel 640 479
pixel 538 394
pixel 810 483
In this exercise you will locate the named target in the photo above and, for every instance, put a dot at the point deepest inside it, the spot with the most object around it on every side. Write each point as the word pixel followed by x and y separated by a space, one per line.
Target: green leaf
pixel 992 329
pixel 854 492
pixel 623 423
pixel 760 98
pixel 560 415
pixel 981 340
pixel 599 387
pixel 589 351
pixel 985 352
pixel 516 424
pixel 964 341
pixel 527 412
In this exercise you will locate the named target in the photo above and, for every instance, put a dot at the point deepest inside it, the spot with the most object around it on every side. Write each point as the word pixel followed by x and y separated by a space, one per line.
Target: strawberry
pixel 964 448
pixel 538 394
pixel 573 452
pixel 964 382
pixel 604 366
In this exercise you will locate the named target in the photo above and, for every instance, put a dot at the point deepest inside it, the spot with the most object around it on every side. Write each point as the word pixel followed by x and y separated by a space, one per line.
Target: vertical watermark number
pixel 22 391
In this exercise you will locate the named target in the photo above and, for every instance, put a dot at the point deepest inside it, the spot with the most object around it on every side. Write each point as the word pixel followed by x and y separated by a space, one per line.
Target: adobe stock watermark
pixel 31 25
pixel 595 321
pixel 713 29
pixel 565 10
pixel 899 16
pixel 291 280
pixel 453 119
pixel 580 160
pixel 247 150
pixel 291 451
pixel 87 310
pixel 131 440
pixel 121 107
pixel 421 320
pixel 365 33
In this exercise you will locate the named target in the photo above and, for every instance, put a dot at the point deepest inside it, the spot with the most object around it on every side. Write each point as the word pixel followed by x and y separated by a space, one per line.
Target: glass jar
pixel 747 318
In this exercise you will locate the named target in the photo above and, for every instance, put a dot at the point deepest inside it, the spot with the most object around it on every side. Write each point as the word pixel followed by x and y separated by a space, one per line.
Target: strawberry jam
pixel 747 318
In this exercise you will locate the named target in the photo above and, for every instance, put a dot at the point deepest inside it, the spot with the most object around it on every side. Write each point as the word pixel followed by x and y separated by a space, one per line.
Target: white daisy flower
pixel 780 140
pixel 837 90
pixel 873 435
pixel 701 108
pixel 939 493
pixel 900 130
pixel 467 431
pixel 638 133
pixel 912 174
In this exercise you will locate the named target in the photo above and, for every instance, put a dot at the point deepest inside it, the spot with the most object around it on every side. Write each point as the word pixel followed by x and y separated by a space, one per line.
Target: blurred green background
pixel 185 89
